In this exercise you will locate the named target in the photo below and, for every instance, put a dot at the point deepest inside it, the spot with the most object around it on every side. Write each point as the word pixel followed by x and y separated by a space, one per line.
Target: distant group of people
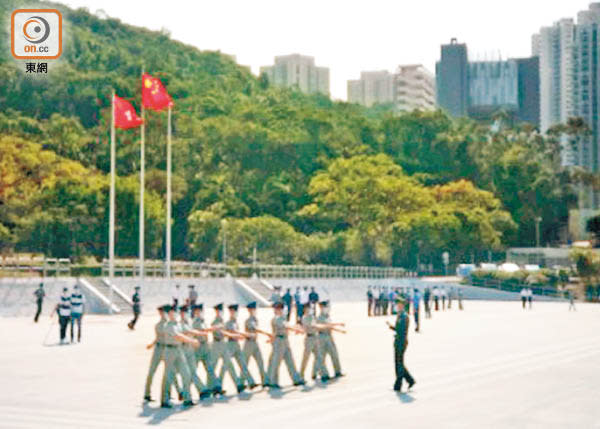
pixel 69 308
pixel 182 343
pixel 526 297
pixel 301 299
pixel 380 299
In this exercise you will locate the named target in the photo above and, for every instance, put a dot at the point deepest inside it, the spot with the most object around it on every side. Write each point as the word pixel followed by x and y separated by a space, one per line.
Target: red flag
pixel 154 94
pixel 125 115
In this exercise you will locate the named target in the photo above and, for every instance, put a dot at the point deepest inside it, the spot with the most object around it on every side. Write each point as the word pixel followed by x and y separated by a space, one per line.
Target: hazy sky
pixel 346 36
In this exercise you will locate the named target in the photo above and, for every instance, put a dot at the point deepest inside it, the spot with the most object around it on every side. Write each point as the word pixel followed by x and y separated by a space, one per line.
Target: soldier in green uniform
pixel 190 352
pixel 251 349
pixel 234 348
pixel 400 343
pixel 203 352
pixel 281 349
pixel 221 351
pixel 312 346
pixel 175 361
pixel 326 339
pixel 157 354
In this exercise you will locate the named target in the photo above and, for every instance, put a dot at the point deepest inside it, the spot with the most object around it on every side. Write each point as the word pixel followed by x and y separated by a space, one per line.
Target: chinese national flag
pixel 154 94
pixel 125 115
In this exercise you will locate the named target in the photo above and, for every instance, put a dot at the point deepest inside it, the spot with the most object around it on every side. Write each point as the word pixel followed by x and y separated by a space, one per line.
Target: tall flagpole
pixel 111 221
pixel 168 239
pixel 142 186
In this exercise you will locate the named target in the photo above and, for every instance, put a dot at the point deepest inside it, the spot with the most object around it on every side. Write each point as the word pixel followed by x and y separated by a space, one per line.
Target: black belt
pixel 280 336
pixel 310 335
pixel 170 346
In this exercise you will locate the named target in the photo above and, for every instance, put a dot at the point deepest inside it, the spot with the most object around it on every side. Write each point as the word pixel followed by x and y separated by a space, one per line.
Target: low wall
pixel 17 299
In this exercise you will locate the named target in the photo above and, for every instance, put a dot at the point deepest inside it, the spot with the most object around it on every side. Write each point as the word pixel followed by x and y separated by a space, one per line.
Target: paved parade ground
pixel 490 366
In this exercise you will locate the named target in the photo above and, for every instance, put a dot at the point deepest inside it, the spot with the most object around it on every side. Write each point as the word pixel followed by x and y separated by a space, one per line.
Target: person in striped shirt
pixel 63 309
pixel 77 307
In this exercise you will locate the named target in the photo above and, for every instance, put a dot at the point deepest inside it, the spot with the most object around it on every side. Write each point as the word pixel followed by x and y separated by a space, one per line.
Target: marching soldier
pixel 136 300
pixel 221 351
pixel 235 351
pixel 39 300
pixel 158 352
pixel 63 309
pixel 281 350
pixel 203 352
pixel 190 354
pixel 175 361
pixel 312 346
pixel 77 306
pixel 326 338
pixel 251 348
pixel 400 343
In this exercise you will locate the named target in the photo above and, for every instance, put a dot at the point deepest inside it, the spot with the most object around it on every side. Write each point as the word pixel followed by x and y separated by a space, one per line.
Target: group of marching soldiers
pixel 182 343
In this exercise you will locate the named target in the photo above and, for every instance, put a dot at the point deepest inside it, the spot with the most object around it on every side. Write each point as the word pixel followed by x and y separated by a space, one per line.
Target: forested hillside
pixel 302 178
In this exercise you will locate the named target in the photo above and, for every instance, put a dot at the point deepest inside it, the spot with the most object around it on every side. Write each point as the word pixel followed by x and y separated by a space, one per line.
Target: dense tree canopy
pixel 301 178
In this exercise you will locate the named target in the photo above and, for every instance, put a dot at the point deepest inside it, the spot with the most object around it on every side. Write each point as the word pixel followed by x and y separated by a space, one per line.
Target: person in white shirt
pixel 523 297
pixel 63 309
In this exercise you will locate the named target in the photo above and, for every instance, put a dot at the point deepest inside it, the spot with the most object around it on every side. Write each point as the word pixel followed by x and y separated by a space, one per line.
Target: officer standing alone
pixel 400 343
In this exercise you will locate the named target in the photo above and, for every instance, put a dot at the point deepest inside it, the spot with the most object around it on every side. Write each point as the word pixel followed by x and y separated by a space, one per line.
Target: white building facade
pixel 298 71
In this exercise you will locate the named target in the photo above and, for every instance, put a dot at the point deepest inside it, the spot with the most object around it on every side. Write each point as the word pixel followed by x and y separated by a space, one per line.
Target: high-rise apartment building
pixel 374 87
pixel 414 88
pixel 298 71
pixel 410 87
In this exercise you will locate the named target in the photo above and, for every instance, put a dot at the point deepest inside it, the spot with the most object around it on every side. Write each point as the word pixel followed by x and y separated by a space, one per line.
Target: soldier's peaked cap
pixel 218 306
pixel 324 303
pixel 198 307
pixel 184 308
pixel 233 307
pixel 137 287
pixel 167 308
pixel 278 305
pixel 251 304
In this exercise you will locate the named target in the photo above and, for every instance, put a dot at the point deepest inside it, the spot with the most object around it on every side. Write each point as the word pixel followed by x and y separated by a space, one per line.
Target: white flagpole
pixel 142 186
pixel 111 222
pixel 168 238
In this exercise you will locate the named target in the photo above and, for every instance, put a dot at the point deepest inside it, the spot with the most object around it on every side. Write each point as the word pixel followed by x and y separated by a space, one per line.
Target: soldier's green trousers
pixel 235 351
pixel 312 346
pixel 190 357
pixel 281 351
pixel 328 348
pixel 251 350
pixel 175 362
pixel 221 351
pixel 204 355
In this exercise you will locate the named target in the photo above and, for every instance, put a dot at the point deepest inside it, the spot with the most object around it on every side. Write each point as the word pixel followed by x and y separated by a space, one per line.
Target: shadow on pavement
pixel 405 398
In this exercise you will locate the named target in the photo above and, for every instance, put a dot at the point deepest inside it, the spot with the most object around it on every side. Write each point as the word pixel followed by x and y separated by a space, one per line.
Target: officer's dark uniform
pixel 400 343
pixel 370 301
pixel 39 300
pixel 287 300
pixel 313 299
pixel 136 307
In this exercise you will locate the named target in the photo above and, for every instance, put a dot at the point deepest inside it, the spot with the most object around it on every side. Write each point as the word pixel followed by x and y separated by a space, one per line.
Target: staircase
pixel 119 300
pixel 258 289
